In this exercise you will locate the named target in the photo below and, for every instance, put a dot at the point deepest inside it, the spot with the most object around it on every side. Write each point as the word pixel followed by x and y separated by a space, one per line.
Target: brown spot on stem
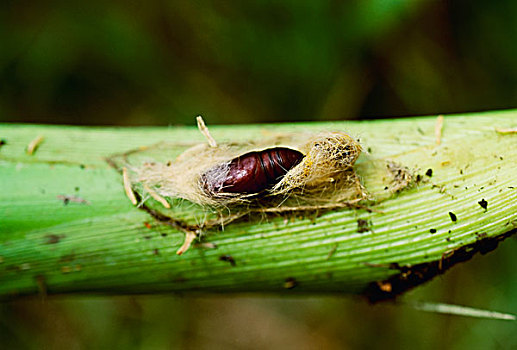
pixel 363 226
pixel 228 258
pixel 53 239
pixel 290 283
pixel 67 257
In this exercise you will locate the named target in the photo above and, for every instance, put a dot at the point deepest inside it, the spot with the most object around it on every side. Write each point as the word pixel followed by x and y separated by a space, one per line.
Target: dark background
pixel 164 62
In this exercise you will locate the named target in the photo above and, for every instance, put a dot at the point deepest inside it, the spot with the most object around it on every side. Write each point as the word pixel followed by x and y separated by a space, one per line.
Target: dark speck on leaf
pixel 53 239
pixel 82 166
pixel 481 235
pixel 156 251
pixel 433 230
pixel 2 142
pixel 453 216
pixel 429 172
pixel 483 203
pixel 228 258
pixel 67 199
pixel 362 226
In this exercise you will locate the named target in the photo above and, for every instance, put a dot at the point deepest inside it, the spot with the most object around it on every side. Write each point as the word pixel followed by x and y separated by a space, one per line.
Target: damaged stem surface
pixel 458 198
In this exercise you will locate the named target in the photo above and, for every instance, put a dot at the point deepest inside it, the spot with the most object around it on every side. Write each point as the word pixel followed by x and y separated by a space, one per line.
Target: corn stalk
pixel 66 225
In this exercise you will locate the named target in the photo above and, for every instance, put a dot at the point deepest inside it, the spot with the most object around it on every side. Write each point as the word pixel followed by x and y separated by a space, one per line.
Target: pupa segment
pixel 253 172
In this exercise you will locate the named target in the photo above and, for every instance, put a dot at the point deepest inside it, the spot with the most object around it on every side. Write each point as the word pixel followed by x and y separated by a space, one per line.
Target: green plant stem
pixel 104 244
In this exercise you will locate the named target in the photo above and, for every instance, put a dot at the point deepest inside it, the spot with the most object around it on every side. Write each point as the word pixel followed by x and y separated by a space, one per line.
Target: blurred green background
pixel 163 62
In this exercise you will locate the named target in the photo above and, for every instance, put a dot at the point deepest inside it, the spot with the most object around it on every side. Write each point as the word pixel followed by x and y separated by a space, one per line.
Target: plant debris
pixel 189 238
pixel 411 276
pixel 332 251
pixel 450 309
pixel 204 130
pixel 438 129
pixel 127 187
pixel 34 144
pixel 205 245
pixel 402 177
pixel 507 131
pixel 157 197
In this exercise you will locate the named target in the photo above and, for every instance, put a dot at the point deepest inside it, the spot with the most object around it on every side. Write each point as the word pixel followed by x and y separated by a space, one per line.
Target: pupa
pixel 253 172
pixel 309 165
pixel 285 172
